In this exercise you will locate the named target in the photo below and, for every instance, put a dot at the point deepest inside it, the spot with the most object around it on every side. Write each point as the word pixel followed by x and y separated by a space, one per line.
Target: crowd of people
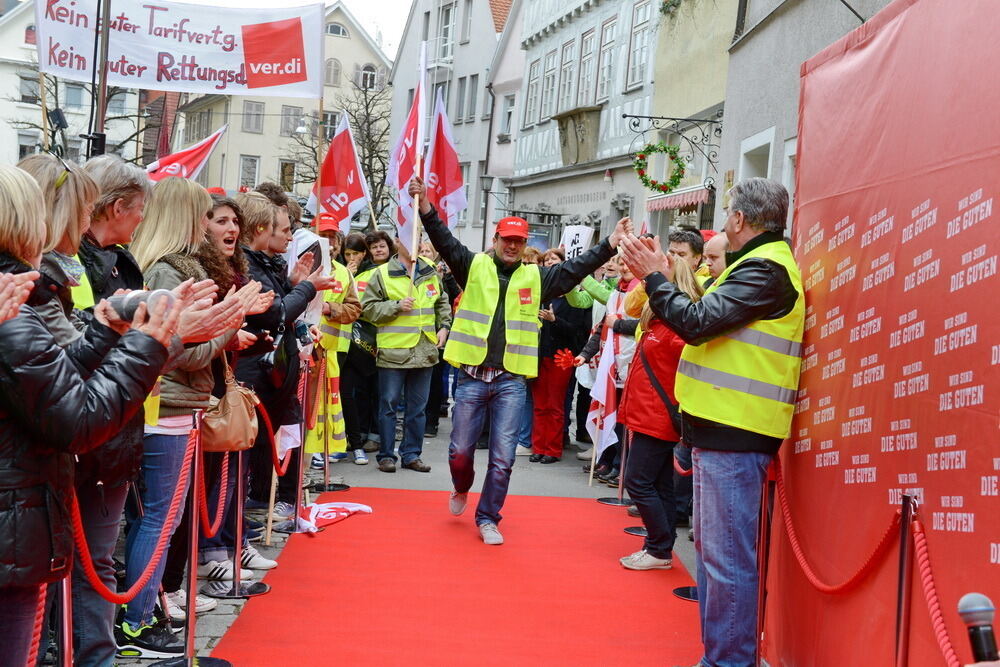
pixel 96 405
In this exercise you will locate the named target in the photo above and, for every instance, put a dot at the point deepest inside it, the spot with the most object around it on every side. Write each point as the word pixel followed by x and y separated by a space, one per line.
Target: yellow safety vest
pixel 404 332
pixel 329 433
pixel 748 378
pixel 361 281
pixel 334 335
pixel 470 330
pixel 82 294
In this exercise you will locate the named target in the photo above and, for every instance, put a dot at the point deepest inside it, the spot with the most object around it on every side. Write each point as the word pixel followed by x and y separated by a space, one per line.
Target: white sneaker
pixel 221 571
pixel 283 511
pixel 360 458
pixel 523 451
pixel 177 604
pixel 585 455
pixel 457 502
pixel 254 561
pixel 490 534
pixel 642 560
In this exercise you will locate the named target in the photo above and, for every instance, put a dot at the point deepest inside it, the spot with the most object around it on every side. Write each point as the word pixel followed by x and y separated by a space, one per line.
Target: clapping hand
pixel 162 321
pixel 302 268
pixel 547 314
pixel 645 256
pixel 14 291
pixel 623 230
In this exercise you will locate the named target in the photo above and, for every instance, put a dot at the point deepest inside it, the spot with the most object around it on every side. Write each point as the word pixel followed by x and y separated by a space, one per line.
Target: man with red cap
pixel 494 340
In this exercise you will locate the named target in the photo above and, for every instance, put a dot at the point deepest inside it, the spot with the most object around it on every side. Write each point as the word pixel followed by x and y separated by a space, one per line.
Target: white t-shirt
pixel 179 425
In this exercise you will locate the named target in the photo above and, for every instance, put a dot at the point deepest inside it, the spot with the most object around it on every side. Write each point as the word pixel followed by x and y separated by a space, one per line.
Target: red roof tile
pixel 500 10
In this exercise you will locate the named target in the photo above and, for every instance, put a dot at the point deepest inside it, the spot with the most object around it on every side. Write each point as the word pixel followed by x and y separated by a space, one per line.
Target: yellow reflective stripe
pixel 390 329
pixel 525 350
pixel 472 316
pixel 523 326
pixel 744 385
pixel 460 337
pixel 767 341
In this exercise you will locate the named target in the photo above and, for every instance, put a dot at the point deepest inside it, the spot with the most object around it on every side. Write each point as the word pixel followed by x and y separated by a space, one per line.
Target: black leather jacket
pixel 757 289
pixel 117 461
pixel 48 413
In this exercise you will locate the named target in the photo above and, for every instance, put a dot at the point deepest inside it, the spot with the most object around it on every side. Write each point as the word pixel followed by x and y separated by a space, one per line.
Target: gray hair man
pixel 736 383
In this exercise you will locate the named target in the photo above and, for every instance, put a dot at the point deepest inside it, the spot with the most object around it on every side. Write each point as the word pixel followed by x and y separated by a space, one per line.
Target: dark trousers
pixel 649 480
pixel 435 396
pixel 349 378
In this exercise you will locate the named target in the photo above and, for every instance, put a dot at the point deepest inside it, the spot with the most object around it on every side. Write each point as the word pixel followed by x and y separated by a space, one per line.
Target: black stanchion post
pixel 189 659
pixel 66 620
pixel 763 546
pixel 620 500
pixel 904 582
pixel 238 589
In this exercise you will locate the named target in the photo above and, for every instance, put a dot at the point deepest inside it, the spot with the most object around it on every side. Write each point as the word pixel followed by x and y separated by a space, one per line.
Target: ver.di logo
pixel 274 53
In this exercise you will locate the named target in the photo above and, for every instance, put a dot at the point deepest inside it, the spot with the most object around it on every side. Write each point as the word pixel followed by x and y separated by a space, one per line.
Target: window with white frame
pixel 507 120
pixel 531 98
pixel 29 90
pixel 605 62
pixel 249 168
pixel 369 77
pixel 470 109
pixel 585 88
pixel 331 76
pixel 116 103
pixel 567 62
pixel 638 53
pixel 27 144
pixel 460 100
pixel 483 201
pixel 463 215
pixel 444 88
pixel 446 32
pixel 549 84
pixel 73 96
pixel 336 29
pixel 467 24
pixel 253 117
pixel 331 121
pixel 290 119
pixel 198 125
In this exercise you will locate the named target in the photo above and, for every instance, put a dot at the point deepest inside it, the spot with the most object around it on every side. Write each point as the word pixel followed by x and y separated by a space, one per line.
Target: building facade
pixel 588 62
pixel 26 98
pixel 461 38
pixel 772 40
pixel 276 138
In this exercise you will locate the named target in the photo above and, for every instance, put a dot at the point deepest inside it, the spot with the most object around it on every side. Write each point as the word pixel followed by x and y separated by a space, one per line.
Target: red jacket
pixel 641 408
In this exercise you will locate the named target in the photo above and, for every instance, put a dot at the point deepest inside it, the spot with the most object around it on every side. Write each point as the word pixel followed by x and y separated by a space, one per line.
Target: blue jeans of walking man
pixel 503 398
pixel 391 384
pixel 727 495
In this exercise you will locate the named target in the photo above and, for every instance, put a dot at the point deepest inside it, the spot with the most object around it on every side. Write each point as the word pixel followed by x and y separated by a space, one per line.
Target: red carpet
pixel 413 585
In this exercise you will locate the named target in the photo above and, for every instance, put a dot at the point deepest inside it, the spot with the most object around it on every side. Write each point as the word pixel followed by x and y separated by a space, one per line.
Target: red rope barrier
pixel 681 470
pixel 211 528
pixel 311 419
pixel 931 596
pixel 883 547
pixel 36 632
pixel 279 467
pixel 83 549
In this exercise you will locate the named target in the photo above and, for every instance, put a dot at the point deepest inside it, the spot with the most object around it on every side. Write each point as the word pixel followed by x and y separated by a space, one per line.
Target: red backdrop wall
pixel 895 233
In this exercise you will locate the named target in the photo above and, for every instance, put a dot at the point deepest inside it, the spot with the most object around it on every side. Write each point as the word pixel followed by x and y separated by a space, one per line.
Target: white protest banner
pixel 576 240
pixel 187 47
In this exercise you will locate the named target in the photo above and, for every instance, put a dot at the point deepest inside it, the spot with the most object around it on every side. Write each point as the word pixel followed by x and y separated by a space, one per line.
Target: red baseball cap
pixel 706 234
pixel 327 221
pixel 513 227
pixel 217 191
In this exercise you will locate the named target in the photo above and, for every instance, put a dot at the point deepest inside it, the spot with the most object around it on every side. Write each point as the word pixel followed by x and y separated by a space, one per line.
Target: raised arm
pixel 452 251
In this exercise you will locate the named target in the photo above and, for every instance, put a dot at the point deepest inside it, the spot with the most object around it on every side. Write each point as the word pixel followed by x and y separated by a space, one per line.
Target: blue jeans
pixel 503 399
pixel 161 465
pixel 649 480
pixel 727 495
pixel 220 546
pixel 527 420
pixel 93 616
pixel 683 485
pixel 391 382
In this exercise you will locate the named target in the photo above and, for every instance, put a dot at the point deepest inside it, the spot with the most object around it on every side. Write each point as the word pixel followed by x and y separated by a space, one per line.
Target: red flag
pixel 344 189
pixel 445 186
pixel 187 163
pixel 403 162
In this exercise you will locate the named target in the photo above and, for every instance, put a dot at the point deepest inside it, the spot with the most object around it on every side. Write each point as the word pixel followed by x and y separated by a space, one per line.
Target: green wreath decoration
pixel 641 161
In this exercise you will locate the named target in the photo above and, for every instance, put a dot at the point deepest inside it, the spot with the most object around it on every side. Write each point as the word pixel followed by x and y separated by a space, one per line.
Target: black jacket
pixel 757 289
pixel 556 280
pixel 117 461
pixel 281 403
pixel 560 334
pixel 48 413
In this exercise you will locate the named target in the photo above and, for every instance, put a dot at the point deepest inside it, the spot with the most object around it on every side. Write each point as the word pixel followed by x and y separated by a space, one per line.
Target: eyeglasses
pixel 61 180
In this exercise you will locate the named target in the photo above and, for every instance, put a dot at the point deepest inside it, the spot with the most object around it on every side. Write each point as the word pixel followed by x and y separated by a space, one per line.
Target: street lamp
pixel 302 128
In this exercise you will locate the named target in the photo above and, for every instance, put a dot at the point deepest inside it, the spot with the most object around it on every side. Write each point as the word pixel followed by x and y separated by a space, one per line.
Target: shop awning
pixel 680 200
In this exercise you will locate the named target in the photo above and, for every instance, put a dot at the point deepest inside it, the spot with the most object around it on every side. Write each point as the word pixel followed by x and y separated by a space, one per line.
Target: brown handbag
pixel 230 423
